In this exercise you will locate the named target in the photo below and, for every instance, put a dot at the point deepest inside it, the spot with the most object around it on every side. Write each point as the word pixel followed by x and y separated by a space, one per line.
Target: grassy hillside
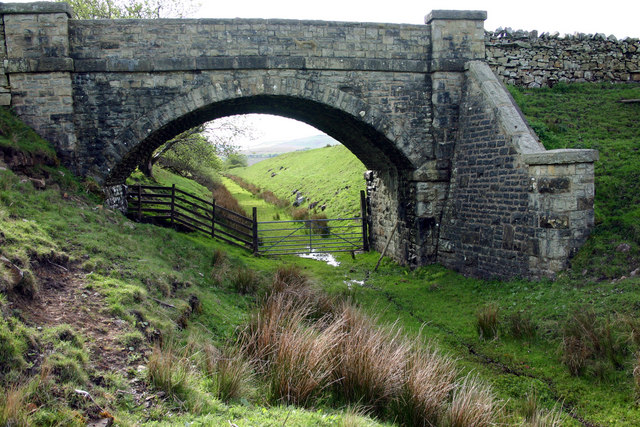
pixel 144 319
pixel 567 343
pixel 330 175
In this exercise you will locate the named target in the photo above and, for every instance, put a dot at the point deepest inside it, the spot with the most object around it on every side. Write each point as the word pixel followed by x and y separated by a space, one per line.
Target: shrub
pixel 487 321
pixel 225 199
pixel 473 404
pixel 300 214
pixel 269 197
pixel 318 225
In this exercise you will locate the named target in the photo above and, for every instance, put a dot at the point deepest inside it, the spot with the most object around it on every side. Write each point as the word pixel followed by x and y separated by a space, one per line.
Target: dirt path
pixel 64 299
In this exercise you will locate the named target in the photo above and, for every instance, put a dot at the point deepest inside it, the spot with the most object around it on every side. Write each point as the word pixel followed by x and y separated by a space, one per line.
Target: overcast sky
pixel 620 18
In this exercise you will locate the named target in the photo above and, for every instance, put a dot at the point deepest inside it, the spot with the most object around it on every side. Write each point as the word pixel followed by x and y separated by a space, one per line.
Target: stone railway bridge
pixel 452 160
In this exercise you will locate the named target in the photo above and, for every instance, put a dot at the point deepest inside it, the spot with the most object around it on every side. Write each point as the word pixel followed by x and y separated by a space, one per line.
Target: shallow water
pixel 321 256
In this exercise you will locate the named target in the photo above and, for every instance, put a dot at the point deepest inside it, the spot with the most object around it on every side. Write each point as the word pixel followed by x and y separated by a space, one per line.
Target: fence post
pixel 363 214
pixel 255 230
pixel 213 218
pixel 173 202
pixel 139 203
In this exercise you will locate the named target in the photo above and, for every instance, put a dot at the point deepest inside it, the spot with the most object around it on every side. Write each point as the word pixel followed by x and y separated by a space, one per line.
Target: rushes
pixel 372 360
pixel 345 355
pixel 430 378
pixel 473 405
pixel 487 321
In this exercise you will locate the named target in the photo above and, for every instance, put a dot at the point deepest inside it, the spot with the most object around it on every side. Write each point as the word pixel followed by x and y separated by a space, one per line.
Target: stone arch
pixel 365 130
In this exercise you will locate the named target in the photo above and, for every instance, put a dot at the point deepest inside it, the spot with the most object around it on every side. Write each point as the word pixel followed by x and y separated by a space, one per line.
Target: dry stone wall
pixel 527 59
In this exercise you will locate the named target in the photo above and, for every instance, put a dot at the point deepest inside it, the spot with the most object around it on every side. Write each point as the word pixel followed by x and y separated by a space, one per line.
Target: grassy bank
pixel 105 318
pixel 330 176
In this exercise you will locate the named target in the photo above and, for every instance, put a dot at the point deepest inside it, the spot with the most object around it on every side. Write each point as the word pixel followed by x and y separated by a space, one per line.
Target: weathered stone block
pixel 551 220
pixel 553 185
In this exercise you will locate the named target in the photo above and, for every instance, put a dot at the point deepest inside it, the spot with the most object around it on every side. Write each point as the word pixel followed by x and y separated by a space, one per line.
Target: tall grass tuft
pixel 168 370
pixel 220 266
pixel 260 336
pixel 302 362
pixel 591 342
pixel 521 325
pixel 473 405
pixel 371 369
pixel 12 407
pixel 246 281
pixel 430 379
pixel 230 371
pixel 289 279
pixel 300 214
pixel 487 319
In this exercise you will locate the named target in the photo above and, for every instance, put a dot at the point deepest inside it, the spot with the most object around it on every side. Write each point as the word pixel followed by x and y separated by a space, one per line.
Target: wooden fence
pixel 179 209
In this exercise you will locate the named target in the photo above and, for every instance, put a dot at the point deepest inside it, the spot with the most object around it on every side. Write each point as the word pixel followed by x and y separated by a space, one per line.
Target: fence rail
pixel 182 209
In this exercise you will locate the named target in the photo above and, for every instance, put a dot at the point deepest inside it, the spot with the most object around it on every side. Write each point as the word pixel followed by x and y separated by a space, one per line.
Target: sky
pixel 619 18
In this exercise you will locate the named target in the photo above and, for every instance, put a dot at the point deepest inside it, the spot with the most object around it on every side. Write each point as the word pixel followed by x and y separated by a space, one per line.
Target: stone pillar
pixel 37 69
pixel 456 38
pixel 561 193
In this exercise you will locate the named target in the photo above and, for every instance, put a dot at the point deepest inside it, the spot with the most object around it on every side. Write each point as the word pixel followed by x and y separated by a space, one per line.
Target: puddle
pixel 351 283
pixel 321 256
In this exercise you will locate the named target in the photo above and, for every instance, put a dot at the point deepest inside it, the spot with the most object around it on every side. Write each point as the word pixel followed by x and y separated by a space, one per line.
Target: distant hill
pixel 270 149
pixel 328 176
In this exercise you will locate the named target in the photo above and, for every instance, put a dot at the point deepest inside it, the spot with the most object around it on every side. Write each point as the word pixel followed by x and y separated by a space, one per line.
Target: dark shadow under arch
pixel 372 147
